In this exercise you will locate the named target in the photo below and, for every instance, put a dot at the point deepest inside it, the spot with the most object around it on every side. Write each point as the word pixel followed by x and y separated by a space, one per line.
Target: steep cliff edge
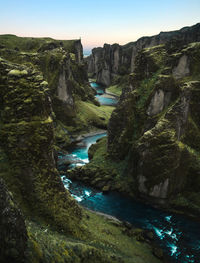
pixel 156 125
pixel 62 66
pixel 27 147
pixel 106 63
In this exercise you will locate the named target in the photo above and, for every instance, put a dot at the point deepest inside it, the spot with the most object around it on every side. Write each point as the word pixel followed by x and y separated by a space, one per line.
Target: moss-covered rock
pixel 156 125
pixel 13 236
pixel 27 141
pixel 62 67
pixel 110 61
pixel 102 172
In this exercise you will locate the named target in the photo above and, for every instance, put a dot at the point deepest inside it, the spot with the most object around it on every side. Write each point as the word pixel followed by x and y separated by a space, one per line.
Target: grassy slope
pixel 31 44
pixel 107 242
pixel 115 89
pixel 90 116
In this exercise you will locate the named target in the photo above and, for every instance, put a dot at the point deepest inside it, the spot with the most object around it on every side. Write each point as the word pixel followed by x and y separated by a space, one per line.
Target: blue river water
pixel 102 96
pixel 177 235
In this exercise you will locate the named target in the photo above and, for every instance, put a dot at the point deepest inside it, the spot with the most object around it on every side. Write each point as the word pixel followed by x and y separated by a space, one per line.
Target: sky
pixel 96 22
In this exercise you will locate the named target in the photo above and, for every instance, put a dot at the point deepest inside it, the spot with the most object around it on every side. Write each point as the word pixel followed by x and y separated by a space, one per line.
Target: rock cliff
pixel 111 60
pixel 27 147
pixel 153 124
pixel 61 64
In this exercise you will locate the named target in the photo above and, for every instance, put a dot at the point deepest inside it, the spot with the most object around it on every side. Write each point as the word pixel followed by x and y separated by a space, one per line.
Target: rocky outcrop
pixel 107 62
pixel 111 60
pixel 152 125
pixel 61 64
pixel 27 142
pixel 78 50
pixel 13 238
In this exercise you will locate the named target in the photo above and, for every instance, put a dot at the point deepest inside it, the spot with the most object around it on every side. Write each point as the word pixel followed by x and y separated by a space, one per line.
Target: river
pixel 177 235
pixel 102 96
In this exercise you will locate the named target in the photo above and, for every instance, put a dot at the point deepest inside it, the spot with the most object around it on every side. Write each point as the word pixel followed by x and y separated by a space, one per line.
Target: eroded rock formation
pixel 111 60
pixel 153 123
pixel 27 143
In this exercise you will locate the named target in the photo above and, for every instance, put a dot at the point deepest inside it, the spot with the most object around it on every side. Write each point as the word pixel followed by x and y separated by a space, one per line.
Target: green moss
pixel 72 56
pixel 192 135
pixel 27 142
pixel 89 115
pixel 167 142
pixel 16 73
pixel 145 89
pixel 62 136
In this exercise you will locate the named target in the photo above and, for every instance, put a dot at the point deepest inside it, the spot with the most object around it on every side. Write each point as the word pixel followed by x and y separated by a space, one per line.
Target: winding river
pixel 177 235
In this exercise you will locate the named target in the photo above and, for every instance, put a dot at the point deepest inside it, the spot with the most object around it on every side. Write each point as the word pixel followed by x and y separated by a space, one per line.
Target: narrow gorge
pixel 100 155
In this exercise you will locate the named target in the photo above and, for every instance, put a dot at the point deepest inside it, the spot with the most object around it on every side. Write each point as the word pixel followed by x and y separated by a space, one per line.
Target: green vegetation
pixel 73 102
pixel 27 144
pixel 107 242
pixel 102 172
pixel 115 89
pixel 29 44
pixel 89 116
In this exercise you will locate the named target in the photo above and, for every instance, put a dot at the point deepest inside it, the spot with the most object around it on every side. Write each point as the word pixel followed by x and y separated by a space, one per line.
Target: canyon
pixel 50 111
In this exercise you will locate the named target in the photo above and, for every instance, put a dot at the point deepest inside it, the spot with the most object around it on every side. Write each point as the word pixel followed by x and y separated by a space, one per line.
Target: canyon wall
pixel 40 81
pixel 155 126
pixel 106 63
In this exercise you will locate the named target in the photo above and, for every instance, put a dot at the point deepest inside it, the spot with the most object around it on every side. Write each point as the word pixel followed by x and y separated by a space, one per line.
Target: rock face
pixel 13 238
pixel 61 64
pixel 78 50
pixel 153 123
pixel 111 60
pixel 27 143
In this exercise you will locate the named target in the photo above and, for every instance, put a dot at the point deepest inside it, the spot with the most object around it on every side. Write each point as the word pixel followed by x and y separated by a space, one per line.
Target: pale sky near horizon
pixel 96 22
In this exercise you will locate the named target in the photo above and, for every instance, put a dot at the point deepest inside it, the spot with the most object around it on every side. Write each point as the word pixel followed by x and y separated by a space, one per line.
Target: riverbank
pixel 89 134
pixel 177 235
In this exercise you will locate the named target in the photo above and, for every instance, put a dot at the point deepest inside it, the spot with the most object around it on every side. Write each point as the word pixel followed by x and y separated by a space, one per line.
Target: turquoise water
pixel 109 101
pixel 102 97
pixel 81 153
pixel 178 236
pixel 99 89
